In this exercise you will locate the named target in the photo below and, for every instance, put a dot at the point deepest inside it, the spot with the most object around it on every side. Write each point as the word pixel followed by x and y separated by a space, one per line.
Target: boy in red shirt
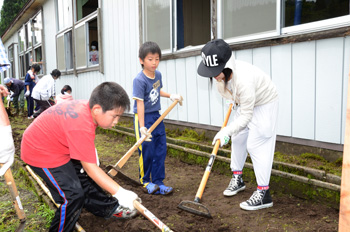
pixel 59 147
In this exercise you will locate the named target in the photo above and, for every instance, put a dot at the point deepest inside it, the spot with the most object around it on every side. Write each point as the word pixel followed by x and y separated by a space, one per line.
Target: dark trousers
pixel 43 105
pixel 30 105
pixel 74 191
pixel 152 154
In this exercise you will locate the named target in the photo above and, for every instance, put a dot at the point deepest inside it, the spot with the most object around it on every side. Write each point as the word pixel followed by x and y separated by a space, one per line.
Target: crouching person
pixel 17 87
pixel 59 147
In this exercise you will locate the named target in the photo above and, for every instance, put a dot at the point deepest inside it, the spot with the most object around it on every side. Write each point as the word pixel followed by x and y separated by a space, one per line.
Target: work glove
pixel 223 135
pixel 7 148
pixel 145 133
pixel 178 97
pixel 126 198
pixel 8 98
pixel 27 93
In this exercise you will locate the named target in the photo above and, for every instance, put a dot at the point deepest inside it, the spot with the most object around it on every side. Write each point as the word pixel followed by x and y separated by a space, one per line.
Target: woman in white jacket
pixel 253 129
pixel 44 90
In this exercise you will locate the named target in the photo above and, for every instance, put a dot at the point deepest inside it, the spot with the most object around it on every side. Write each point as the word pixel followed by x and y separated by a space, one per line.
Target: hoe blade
pixel 121 175
pixel 195 208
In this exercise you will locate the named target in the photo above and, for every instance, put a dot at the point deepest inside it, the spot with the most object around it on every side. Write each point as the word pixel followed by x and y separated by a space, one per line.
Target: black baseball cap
pixel 215 54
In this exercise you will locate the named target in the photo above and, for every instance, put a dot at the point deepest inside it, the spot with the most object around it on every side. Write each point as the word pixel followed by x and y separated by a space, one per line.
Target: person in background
pixel 44 91
pixel 93 54
pixel 7 148
pixel 253 129
pixel 147 90
pixel 65 95
pixel 17 87
pixel 59 147
pixel 29 82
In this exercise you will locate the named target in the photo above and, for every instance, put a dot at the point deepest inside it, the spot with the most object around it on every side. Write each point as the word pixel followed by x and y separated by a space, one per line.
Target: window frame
pixel 12 59
pixel 75 24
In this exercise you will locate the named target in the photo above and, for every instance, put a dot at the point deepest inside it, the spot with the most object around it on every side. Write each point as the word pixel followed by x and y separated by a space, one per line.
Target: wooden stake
pixel 344 212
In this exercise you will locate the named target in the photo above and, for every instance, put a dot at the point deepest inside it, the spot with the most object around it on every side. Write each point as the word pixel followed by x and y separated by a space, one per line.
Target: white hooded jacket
pixel 250 87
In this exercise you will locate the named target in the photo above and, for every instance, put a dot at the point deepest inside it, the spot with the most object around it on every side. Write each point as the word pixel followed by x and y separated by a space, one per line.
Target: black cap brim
pixel 209 72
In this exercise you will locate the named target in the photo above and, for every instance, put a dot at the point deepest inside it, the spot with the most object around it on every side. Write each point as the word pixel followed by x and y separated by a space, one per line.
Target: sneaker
pixel 236 185
pixel 164 190
pixel 31 117
pixel 124 213
pixel 150 188
pixel 259 200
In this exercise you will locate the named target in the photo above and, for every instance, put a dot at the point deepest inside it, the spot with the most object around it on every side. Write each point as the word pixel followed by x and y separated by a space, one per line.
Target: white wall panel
pixel 303 90
pixel 203 97
pixel 281 74
pixel 216 105
pixel 329 79
pixel 191 99
pixel 164 102
pixel 346 76
pixel 262 59
pixel 181 88
pixel 171 82
pixel 245 55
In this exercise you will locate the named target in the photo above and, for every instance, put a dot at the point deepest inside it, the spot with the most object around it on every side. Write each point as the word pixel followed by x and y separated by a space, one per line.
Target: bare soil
pixel 288 213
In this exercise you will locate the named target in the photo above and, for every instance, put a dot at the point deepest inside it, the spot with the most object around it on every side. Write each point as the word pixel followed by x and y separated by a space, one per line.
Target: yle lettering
pixel 210 61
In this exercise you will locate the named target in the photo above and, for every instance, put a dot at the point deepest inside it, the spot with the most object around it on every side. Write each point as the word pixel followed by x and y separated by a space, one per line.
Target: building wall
pixel 311 77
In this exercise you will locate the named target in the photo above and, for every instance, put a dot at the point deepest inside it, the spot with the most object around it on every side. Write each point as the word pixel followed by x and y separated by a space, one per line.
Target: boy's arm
pixel 164 94
pixel 141 116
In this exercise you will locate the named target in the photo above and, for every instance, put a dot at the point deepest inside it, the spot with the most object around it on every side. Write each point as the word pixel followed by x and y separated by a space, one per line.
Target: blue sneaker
pixel 150 188
pixel 164 190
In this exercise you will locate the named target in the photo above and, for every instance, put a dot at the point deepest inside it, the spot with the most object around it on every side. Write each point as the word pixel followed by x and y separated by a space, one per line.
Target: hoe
pixel 195 206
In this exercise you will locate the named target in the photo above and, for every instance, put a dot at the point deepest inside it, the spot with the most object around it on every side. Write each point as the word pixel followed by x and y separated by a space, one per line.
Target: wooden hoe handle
pixel 128 154
pixel 211 160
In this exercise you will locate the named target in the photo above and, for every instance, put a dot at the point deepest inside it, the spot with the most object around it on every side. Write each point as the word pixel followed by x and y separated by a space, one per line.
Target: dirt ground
pixel 288 213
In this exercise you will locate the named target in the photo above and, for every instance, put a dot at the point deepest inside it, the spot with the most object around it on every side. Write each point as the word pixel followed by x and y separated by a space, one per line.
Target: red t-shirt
pixel 62 132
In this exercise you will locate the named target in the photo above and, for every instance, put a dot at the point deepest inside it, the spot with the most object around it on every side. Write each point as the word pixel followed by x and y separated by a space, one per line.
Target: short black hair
pixel 110 96
pixel 94 43
pixel 66 88
pixel 36 67
pixel 56 73
pixel 149 47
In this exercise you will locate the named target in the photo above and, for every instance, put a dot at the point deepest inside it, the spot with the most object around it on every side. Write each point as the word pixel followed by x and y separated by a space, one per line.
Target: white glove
pixel 145 133
pixel 7 149
pixel 178 97
pixel 27 93
pixel 8 98
pixel 126 198
pixel 223 135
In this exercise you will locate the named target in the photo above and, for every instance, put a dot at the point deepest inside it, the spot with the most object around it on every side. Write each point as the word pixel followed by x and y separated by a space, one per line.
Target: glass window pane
pixel 248 17
pixel 10 53
pixel 193 22
pixel 299 12
pixel 93 41
pixel 23 67
pixel 80 46
pixel 21 40
pixel 38 58
pixel 68 50
pixel 38 26
pixel 64 9
pixel 157 22
pixel 28 34
pixel 85 7
pixel 60 53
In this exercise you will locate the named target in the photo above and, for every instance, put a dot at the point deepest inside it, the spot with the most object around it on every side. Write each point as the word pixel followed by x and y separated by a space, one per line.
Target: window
pixel 86 42
pixel 11 55
pixel 64 8
pixel 191 22
pixel 30 45
pixel 240 18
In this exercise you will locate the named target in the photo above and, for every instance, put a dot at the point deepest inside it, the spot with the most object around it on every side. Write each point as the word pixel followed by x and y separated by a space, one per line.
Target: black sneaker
pixel 236 185
pixel 259 200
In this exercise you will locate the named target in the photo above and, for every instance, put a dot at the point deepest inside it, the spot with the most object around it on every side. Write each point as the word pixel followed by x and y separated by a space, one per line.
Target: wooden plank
pixel 344 212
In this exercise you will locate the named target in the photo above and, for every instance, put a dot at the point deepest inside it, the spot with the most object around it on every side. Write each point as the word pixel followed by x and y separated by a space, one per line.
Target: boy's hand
pixel 145 133
pixel 27 93
pixel 178 97
pixel 126 198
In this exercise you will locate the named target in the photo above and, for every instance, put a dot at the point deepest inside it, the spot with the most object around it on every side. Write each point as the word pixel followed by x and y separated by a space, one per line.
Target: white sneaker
pixel 236 185
pixel 259 200
pixel 124 213
pixel 31 117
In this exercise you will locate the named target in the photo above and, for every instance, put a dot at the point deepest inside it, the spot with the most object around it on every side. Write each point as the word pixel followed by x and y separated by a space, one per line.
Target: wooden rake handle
pixel 47 191
pixel 128 154
pixel 150 216
pixel 14 194
pixel 211 160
